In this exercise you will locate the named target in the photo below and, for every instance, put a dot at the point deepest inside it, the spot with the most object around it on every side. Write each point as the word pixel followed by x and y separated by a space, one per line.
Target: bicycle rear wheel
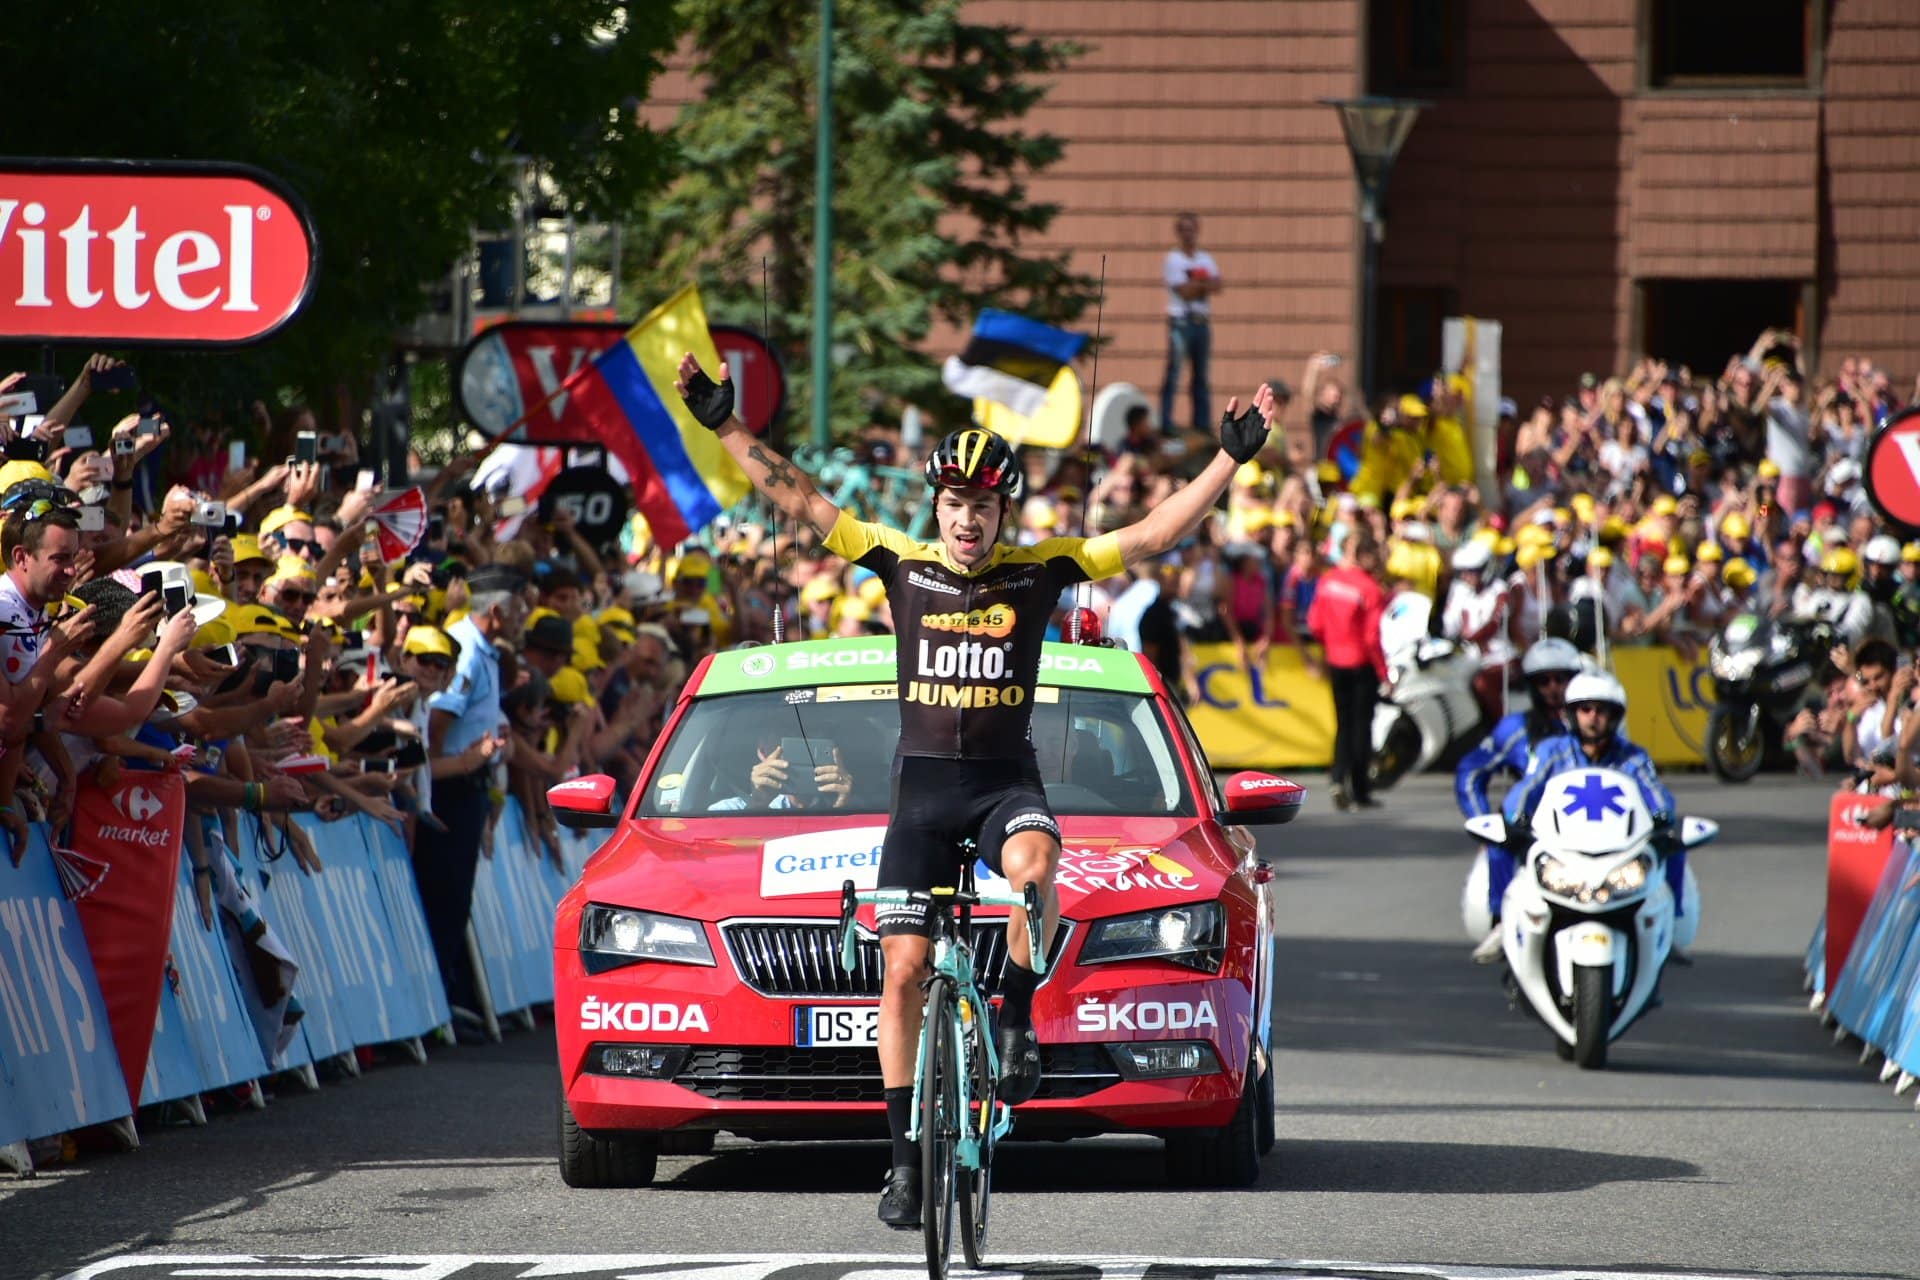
pixel 939 1124
pixel 976 1185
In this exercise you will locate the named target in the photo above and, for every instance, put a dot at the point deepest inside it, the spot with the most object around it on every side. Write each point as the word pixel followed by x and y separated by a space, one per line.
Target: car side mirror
pixel 1489 828
pixel 586 804
pixel 1262 799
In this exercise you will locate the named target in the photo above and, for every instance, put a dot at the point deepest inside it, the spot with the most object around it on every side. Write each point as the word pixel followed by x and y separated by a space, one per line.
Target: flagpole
pixel 823 228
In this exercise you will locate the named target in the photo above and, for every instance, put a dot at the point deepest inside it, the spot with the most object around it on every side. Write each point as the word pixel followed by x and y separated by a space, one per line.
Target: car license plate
pixel 836 1024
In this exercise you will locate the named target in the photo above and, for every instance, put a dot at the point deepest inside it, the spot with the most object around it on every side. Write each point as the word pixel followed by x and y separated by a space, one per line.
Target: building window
pixel 1416 46
pixel 1700 323
pixel 1729 43
pixel 1410 320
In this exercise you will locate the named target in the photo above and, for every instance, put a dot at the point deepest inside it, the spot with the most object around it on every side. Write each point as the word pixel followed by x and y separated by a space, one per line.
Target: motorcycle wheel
pixel 1395 756
pixel 1734 753
pixel 1592 1015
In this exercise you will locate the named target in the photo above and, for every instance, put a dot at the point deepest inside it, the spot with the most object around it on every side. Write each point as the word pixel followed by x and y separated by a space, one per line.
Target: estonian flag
pixel 1011 360
pixel 682 476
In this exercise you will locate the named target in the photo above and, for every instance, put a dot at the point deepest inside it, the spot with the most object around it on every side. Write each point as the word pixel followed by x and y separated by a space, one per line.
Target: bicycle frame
pixel 952 958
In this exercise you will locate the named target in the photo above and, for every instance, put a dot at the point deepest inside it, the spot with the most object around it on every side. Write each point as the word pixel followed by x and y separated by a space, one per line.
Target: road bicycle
pixel 957 1115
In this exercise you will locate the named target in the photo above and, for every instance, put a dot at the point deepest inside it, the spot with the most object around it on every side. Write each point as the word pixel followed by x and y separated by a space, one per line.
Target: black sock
pixel 899 1115
pixel 1018 987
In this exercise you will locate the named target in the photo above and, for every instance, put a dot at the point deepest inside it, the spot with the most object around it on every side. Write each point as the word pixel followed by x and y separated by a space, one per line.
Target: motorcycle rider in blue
pixel 1547 666
pixel 1597 707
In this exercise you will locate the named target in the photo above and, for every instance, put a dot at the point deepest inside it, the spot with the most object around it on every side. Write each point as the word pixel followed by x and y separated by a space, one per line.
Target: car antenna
pixel 773 508
pixel 1086 481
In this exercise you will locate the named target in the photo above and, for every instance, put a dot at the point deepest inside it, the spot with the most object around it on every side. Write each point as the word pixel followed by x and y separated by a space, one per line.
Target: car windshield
pixel 1098 752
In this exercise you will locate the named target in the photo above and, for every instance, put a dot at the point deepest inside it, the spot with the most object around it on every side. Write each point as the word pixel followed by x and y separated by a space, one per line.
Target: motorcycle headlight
pixel 1734 666
pixel 1194 935
pixel 1631 877
pixel 1555 877
pixel 615 936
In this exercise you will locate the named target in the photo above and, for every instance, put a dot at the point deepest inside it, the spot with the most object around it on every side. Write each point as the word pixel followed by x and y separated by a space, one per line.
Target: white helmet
pixel 1551 654
pixel 1596 686
pixel 1472 557
pixel 1883 550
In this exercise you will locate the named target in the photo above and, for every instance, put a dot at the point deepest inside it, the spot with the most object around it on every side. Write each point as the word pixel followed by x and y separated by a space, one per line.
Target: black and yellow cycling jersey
pixel 969 643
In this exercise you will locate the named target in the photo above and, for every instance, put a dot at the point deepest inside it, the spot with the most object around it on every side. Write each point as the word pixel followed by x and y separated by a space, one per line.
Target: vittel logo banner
pixel 182 254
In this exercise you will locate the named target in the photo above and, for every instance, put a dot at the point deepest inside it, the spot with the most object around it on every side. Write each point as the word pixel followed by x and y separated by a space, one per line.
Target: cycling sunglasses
pixel 952 477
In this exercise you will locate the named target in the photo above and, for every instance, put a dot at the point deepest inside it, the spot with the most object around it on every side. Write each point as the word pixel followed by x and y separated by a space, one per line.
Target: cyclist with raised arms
pixel 970 612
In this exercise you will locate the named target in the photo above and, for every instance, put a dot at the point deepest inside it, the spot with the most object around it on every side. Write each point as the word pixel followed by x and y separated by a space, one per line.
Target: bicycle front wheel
pixel 976 1185
pixel 940 1119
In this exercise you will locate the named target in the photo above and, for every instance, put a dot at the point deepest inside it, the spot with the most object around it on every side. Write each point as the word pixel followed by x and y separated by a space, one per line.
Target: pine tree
pixel 931 204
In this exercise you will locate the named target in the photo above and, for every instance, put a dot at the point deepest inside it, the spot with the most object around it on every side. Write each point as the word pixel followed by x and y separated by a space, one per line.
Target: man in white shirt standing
pixel 1192 278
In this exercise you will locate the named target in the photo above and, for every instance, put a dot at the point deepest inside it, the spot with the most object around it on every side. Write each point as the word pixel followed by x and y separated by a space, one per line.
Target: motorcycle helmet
pixel 1596 687
pixel 1472 557
pixel 1550 655
pixel 1883 550
pixel 973 458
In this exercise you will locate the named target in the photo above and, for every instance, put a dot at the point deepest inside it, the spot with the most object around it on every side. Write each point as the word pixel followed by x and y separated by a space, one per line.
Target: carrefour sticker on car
pixel 821 861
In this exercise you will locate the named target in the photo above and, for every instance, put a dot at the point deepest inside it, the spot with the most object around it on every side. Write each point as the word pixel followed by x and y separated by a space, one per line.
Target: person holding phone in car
pixel 774 782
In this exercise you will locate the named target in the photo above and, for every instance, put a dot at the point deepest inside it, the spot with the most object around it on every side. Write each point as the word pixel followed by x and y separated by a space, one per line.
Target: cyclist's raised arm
pixel 1241 439
pixel 783 484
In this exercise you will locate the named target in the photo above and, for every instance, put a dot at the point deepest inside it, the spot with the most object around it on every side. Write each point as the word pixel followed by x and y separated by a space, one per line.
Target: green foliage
pixel 389 117
pixel 931 204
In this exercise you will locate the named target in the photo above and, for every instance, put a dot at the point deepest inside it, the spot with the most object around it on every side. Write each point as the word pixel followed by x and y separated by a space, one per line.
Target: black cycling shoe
pixel 900 1198
pixel 1019 1063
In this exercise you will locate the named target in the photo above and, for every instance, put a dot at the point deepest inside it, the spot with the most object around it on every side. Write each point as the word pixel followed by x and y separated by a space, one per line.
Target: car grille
pixel 775 1073
pixel 801 958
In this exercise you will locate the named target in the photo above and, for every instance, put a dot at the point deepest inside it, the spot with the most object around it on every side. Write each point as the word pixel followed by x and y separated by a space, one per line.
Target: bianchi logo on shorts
pixel 925 583
pixel 1032 820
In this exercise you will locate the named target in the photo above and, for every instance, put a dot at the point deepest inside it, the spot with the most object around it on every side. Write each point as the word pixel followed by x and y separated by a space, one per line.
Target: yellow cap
pixel 1041 515
pixel 1910 554
pixel 853 609
pixel 1403 508
pixel 21 470
pixel 1582 504
pixel 1613 529
pixel 568 685
pixel 292 568
pixel 1677 565
pixel 873 591
pixel 1600 558
pixel 1250 473
pixel 1412 407
pixel 624 635
pixel 1665 505
pixel 537 614
pixel 1769 469
pixel 1257 518
pixel 1709 553
pixel 278 519
pixel 1328 472
pixel 260 619
pixel 1841 560
pixel 424 639
pixel 246 546
pixel 586 626
pixel 586 655
pixel 1735 525
pixel 693 563
pixel 1561 515
pixel 818 589
pixel 1533 535
pixel 216 632
pixel 1737 574
pixel 1503 546
pixel 615 616
pixel 1532 554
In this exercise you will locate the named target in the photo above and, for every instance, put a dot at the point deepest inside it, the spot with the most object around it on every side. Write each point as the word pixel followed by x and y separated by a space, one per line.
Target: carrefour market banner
pixel 1282 717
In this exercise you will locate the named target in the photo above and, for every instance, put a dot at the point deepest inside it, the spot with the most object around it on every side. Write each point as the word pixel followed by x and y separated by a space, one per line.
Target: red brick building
pixel 1605 177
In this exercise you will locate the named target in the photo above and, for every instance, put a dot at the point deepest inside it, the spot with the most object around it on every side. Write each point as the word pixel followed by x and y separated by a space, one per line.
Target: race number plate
pixel 836 1024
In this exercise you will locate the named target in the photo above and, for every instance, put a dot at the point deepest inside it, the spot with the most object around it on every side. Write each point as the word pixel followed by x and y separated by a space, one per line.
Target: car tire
pixel 1263 1117
pixel 587 1161
pixel 1225 1157
pixel 687 1142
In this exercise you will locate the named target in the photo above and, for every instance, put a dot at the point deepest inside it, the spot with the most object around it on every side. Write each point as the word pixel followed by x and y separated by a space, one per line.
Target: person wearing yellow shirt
pixel 1391 449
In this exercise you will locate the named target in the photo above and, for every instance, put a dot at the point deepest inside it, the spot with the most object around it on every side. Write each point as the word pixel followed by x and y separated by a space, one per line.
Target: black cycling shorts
pixel 937 803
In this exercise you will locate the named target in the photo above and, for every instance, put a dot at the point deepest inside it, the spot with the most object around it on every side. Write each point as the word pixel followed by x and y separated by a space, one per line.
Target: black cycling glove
pixel 711 402
pixel 1243 437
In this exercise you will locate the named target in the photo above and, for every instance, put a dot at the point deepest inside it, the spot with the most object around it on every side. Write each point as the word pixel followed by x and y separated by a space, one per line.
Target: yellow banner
pixel 1283 717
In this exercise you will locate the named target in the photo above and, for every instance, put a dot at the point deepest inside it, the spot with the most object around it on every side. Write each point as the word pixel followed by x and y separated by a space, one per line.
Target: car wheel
pixel 687 1142
pixel 587 1161
pixel 1225 1157
pixel 1263 1112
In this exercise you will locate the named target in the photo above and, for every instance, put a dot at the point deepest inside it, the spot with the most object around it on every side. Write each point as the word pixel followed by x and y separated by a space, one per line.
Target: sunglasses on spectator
pixel 434 662
pixel 294 595
pixel 297 545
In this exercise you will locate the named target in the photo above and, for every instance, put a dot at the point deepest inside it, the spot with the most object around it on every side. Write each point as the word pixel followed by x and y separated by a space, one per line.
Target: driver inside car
pixel 774 782
pixel 1597 709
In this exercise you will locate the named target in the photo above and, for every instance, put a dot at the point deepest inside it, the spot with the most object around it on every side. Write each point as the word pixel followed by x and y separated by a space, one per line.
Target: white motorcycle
pixel 1588 921
pixel 1429 709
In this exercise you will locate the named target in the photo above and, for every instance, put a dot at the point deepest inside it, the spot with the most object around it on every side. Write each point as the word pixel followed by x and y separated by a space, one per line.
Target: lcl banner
pixel 126 252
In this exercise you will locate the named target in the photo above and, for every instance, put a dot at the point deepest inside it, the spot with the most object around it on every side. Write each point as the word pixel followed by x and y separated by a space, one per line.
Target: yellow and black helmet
pixel 973 458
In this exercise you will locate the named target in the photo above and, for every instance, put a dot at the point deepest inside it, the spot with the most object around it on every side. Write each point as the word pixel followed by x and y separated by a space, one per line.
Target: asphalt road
pixel 1420 1121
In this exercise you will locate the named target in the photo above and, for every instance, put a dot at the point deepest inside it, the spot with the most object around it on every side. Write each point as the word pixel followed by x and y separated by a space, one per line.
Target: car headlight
pixel 1556 877
pixel 1631 877
pixel 1194 935
pixel 615 936
pixel 1735 666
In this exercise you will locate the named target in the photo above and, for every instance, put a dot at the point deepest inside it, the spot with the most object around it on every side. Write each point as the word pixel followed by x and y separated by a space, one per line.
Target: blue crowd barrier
pixel 367 972
pixel 1876 996
pixel 58 1066
pixel 1815 963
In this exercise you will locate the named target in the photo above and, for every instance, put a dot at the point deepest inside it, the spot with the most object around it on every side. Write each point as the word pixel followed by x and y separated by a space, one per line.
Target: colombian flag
pixel 682 477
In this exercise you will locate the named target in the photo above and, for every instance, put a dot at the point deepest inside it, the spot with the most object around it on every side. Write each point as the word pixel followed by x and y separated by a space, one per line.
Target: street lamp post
pixel 1375 130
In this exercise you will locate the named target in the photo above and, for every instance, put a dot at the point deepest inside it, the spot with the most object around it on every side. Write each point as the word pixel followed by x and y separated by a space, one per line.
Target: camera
pixel 210 515
pixel 78 438
pixel 124 445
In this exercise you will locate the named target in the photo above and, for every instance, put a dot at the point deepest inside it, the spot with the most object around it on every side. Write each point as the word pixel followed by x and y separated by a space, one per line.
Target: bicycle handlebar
pixel 1028 900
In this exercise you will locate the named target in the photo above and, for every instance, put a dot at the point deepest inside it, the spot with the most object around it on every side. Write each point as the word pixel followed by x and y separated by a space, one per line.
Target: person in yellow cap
pixel 288 531
pixel 1739 576
pixel 291 589
pixel 816 606
pixel 854 616
pixel 691 577
pixel 248 571
pixel 1391 449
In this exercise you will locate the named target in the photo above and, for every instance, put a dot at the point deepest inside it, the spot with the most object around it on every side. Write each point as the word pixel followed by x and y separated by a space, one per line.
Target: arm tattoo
pixel 780 473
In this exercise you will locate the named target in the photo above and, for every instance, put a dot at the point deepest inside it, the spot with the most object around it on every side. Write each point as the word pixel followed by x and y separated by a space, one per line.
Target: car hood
pixel 717 868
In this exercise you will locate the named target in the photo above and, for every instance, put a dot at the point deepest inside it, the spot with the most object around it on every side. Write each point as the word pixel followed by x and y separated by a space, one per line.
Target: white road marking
pixel 820 1266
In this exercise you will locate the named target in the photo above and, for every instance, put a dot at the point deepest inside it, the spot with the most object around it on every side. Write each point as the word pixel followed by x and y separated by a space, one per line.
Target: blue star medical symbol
pixel 1595 797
